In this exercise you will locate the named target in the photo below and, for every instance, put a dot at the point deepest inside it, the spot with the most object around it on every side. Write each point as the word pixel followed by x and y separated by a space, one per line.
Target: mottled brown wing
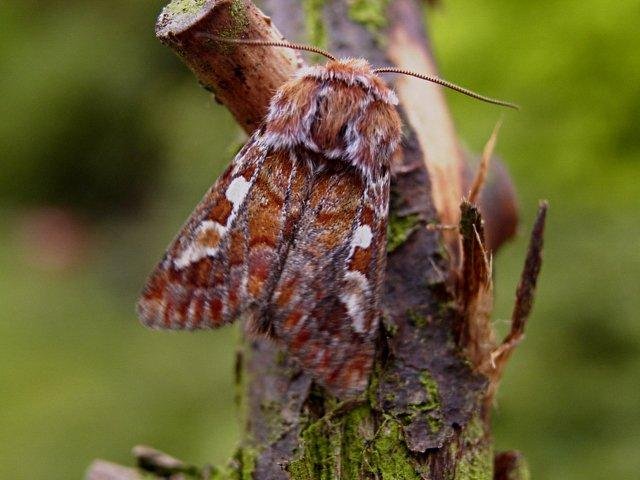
pixel 225 260
pixel 325 305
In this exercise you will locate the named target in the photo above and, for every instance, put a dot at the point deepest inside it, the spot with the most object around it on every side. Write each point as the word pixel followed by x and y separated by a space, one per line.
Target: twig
pixel 151 460
pixel 525 294
pixel 102 470
pixel 483 168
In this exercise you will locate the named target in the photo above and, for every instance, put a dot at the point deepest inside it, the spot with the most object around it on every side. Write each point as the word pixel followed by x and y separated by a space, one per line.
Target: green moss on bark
pixel 248 456
pixel 318 459
pixel 239 21
pixel 390 326
pixel 351 448
pixel 234 29
pixel 417 319
pixel 389 458
pixel 399 229
pixel 184 6
pixel 431 387
pixel 474 431
pixel 357 431
pixel 272 415
pixel 476 464
pixel 242 466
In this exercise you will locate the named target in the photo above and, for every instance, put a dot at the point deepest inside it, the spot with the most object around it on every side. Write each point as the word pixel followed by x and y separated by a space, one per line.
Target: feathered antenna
pixel 445 83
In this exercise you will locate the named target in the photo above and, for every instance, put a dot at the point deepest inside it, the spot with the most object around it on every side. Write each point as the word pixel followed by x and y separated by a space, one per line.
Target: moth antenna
pixel 445 83
pixel 269 43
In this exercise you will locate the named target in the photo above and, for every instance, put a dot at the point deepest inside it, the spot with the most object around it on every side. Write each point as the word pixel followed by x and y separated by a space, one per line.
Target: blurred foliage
pixel 102 120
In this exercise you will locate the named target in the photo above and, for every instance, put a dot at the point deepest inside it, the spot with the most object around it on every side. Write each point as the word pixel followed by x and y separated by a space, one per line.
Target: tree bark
pixel 426 412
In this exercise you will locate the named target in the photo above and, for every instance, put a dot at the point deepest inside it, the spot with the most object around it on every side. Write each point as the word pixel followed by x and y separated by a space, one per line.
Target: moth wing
pixel 225 259
pixel 325 305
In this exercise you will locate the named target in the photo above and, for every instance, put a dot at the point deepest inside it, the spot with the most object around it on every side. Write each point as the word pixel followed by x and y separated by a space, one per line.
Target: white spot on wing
pixel 237 190
pixel 236 193
pixel 362 237
pixel 195 251
pixel 354 298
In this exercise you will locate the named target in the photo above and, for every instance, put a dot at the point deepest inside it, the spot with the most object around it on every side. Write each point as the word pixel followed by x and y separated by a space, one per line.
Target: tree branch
pixel 243 78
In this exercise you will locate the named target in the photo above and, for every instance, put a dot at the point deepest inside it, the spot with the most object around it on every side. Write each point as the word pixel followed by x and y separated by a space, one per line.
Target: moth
pixel 291 238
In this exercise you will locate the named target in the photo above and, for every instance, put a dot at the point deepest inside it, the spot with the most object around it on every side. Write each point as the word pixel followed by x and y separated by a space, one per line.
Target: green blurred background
pixel 107 142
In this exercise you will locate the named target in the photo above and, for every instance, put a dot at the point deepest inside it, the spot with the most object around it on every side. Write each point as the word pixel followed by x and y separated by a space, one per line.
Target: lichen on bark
pixel 185 6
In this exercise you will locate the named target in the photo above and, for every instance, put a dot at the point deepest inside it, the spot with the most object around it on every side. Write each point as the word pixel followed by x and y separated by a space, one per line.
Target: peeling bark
pixel 425 412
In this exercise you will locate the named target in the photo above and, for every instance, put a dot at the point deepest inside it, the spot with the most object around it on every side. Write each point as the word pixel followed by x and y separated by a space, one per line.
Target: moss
pixel 318 459
pixel 332 445
pixel 215 474
pixel 350 448
pixel 389 457
pixel 476 464
pixel 357 431
pixel 399 229
pixel 476 461
pixel 429 409
pixel 248 465
pixel 243 465
pixel 272 415
pixel 431 388
pixel 417 319
pixel 474 431
pixel 239 14
pixel 370 13
pixel 435 423
pixel 389 397
pixel 314 23
pixel 236 27
pixel 389 325
pixel 374 385
pixel 184 6
pixel 297 471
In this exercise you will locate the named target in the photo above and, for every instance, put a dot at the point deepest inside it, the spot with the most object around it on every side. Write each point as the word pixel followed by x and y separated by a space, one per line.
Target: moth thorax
pixel 351 123
pixel 342 110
